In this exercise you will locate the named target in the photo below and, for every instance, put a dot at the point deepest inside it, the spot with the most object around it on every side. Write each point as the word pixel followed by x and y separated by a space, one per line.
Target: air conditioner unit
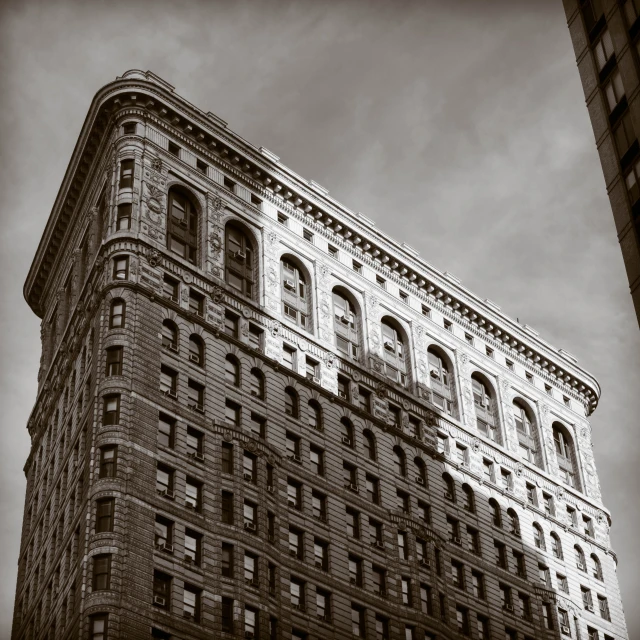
pixel 196 407
pixel 581 566
pixel 434 374
pixel 564 629
pixel 315 380
pixel 196 455
pixel 249 526
pixel 238 255
pixel 420 480
pixel 187 614
pixel 448 495
pixel 167 493
pixel 296 606
pixel 247 476
pixel 170 393
pixel 248 635
pixel 250 581
pixel 189 505
pixel 389 346
pixel 352 580
pixel 194 358
pixel 270 488
pixel 589 607
pixel 172 347
pixel 345 319
pixel 379 544
pixel 167 547
pixel 456 540
pixel 289 284
pixel 293 552
pixel 424 562
pixel 295 457
pixel 346 441
pixel 508 607
pixel 188 559
pixel 159 600
pixel 354 488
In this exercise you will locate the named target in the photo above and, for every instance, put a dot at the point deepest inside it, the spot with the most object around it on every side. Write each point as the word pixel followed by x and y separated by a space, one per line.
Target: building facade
pixel 260 417
pixel 606 37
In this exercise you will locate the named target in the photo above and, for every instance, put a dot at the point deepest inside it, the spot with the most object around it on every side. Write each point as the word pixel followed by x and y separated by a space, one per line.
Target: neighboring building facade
pixel 260 417
pixel 606 37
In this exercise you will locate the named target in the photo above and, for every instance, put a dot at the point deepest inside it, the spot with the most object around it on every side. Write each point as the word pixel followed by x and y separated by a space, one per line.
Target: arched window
pixel 196 349
pixel 369 444
pixel 291 405
pixel 296 295
pixel 442 390
pixel 450 487
pixel 239 267
pixel 565 454
pixel 556 545
pixel 400 462
pixel 596 567
pixel 345 325
pixel 182 225
pixel 346 429
pixel 314 415
pixel 496 513
pixel 257 383
pixel 527 431
pixel 469 498
pixel 169 335
pixel 394 351
pixel 485 407
pixel 232 370
pixel 514 522
pixel 580 561
pixel 117 313
pixel 421 471
pixel 538 537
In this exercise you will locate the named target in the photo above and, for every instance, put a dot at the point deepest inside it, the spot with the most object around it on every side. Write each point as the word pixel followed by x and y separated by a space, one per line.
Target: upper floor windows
pixel 182 225
pixel 296 295
pixel 346 324
pixel 603 50
pixel 121 268
pixel 566 454
pixel 527 431
pixel 613 90
pixel 314 415
pixel 291 402
pixel 117 313
pixel 126 173
pixel 400 462
pixel 169 335
pixel 442 389
pixel 484 405
pixel 369 444
pixel 394 351
pixel 232 370
pixel 196 349
pixel 240 266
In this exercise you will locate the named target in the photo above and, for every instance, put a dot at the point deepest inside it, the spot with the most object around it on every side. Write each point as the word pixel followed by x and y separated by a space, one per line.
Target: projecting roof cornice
pixel 261 171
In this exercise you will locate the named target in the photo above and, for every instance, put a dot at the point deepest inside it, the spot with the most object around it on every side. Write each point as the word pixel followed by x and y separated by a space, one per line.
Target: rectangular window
pixel 289 357
pixel 193 494
pixel 316 458
pixel 108 461
pixel 196 303
pixel 379 577
pixel 587 524
pixel 293 447
pixel 161 590
pixel 294 494
pixel 195 439
pixel 251 620
pixel 353 523
pixel 170 288
pixel 333 251
pixel 532 497
pixel 509 364
pixel 123 217
pixel 373 489
pixel 518 558
pixel 166 430
pixel 296 543
pixel 500 554
pixel 201 166
pixel 548 504
pixel 312 370
pixel 563 583
pixel 406 592
pixel 191 603
pixel 255 336
pixel 506 480
pixel 507 600
pixel 473 540
pixel 227 507
pixel 296 590
pixel 404 297
pixel 477 579
pixel 543 574
pixel 250 569
pixel 468 338
pixel 192 547
pixel 169 381
pixel 104 515
pixel 483 628
pixel 121 268
pixel 462 620
pixel 402 545
pixel 319 506
pixel 525 606
pixel 231 324
pixel 164 480
pixel 307 235
pixel 226 615
pixel 321 554
pixel 98 626
pixel 356 266
pixel 111 412
pixel 250 515
pixel 358 626
pixel 227 458
pixel 227 560
pixel 258 426
pixel 174 149
pixel 381 282
pixel 489 352
pixel 375 533
pixel 232 413
pixel 195 395
pixel 448 325
pixel 603 605
pixel 249 467
pixel 343 388
pixel 101 572
pixel 364 399
pixel 163 534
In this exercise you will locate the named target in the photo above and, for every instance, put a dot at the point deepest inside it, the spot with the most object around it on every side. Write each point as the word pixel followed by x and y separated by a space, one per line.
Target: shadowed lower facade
pixel 260 417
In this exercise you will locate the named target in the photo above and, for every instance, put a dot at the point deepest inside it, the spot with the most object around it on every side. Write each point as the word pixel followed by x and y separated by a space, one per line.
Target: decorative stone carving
pixel 246 312
pixel 475 445
pixel 519 469
pixel 356 376
pixel 275 329
pixel 188 278
pixel 215 243
pixel 217 294
pixel 227 435
pixel 381 390
pixel 330 360
pixel 156 164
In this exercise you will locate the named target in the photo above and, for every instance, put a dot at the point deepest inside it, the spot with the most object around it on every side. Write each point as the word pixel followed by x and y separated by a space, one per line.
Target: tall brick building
pixel 260 417
pixel 606 40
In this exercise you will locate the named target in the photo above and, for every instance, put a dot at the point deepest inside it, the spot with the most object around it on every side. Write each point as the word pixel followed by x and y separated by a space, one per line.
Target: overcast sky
pixel 459 127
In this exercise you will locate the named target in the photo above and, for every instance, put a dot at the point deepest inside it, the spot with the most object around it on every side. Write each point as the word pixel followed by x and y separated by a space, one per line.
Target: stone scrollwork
pixel 217 294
